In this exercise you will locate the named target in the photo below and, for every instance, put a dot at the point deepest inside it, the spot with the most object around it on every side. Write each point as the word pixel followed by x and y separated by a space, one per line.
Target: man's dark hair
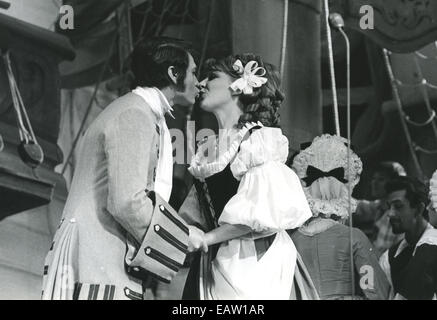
pixel 416 191
pixel 151 59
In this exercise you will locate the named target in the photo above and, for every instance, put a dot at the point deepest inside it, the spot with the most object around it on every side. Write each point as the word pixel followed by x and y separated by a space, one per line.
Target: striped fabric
pixel 60 264
pixel 164 247
pixel 93 292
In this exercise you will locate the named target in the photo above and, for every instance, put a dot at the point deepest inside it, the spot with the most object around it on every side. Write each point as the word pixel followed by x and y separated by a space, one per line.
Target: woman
pixel 244 196
pixel 324 241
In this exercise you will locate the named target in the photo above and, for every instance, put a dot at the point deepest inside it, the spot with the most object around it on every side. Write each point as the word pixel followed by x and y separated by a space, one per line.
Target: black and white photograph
pixel 239 151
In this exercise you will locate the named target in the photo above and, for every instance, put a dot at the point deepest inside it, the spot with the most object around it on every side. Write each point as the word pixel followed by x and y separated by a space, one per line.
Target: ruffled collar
pixel 316 226
pixel 156 100
pixel 213 157
pixel 333 207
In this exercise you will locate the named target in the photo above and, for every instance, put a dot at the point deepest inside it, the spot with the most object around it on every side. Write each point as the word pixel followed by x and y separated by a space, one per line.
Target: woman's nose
pixel 201 85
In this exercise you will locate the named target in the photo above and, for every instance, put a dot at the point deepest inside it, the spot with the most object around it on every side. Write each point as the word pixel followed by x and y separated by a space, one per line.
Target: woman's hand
pixel 196 240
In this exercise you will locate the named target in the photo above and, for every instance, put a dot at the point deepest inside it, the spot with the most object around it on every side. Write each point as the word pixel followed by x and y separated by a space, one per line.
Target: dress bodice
pixel 327 255
pixel 247 184
pixel 222 186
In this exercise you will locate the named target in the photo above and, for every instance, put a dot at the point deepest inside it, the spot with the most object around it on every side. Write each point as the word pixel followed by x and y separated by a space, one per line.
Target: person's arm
pixel 226 232
pixel 372 278
pixel 128 144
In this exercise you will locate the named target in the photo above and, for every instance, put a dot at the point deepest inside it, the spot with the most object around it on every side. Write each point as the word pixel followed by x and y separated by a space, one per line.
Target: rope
pixel 426 98
pixel 423 83
pixel 331 69
pixel 401 114
pixel 284 39
pixel 349 191
pixel 426 151
pixel 24 126
pixel 420 124
pixel 422 56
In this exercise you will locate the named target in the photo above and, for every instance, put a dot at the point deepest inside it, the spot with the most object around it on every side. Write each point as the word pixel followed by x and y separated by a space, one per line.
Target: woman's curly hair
pixel 264 103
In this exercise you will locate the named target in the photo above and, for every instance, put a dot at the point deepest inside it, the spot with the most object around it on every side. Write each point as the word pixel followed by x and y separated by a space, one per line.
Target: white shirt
pixel 429 236
pixel 164 171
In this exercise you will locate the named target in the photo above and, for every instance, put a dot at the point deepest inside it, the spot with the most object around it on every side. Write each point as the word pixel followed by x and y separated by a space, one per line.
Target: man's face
pixel 188 96
pixel 402 215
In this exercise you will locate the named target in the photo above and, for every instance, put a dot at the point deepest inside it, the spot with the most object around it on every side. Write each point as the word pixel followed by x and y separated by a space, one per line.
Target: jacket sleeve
pixel 128 144
pixel 372 279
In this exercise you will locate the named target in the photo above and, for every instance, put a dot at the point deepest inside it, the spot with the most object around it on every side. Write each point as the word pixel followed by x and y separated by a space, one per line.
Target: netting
pixel 422 85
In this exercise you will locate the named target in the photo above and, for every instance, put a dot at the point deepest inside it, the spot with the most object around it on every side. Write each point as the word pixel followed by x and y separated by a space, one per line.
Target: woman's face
pixel 215 91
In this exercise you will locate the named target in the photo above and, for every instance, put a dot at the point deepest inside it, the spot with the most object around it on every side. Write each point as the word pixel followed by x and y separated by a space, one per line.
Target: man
pixel 372 216
pixel 411 264
pixel 125 151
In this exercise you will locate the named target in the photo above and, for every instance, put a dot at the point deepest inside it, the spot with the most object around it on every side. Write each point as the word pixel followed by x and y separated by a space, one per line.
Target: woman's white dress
pixel 269 200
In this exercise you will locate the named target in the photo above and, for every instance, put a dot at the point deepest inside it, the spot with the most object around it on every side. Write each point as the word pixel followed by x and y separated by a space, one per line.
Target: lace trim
pixel 329 208
pixel 326 153
pixel 204 170
pixel 317 226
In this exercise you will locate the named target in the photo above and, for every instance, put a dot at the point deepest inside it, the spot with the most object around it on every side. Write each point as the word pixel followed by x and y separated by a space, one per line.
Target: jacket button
pixel 157 227
pixel 161 207
pixel 136 269
pixel 126 291
pixel 148 250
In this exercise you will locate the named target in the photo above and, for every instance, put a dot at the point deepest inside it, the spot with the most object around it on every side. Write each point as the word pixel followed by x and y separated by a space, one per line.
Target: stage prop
pixel 34 54
pixel 402 53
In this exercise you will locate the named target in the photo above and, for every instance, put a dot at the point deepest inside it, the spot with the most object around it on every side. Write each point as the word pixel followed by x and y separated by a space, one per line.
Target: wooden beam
pixel 20 193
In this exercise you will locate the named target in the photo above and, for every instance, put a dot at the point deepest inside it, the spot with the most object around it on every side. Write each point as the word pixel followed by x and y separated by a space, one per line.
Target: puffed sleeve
pixel 270 196
pixel 128 144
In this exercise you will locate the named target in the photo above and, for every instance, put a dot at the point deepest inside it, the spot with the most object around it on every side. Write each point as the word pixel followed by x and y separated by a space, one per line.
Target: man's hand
pixel 196 240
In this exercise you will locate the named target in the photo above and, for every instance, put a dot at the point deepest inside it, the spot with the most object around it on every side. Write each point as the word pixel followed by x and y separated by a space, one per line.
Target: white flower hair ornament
pixel 251 77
